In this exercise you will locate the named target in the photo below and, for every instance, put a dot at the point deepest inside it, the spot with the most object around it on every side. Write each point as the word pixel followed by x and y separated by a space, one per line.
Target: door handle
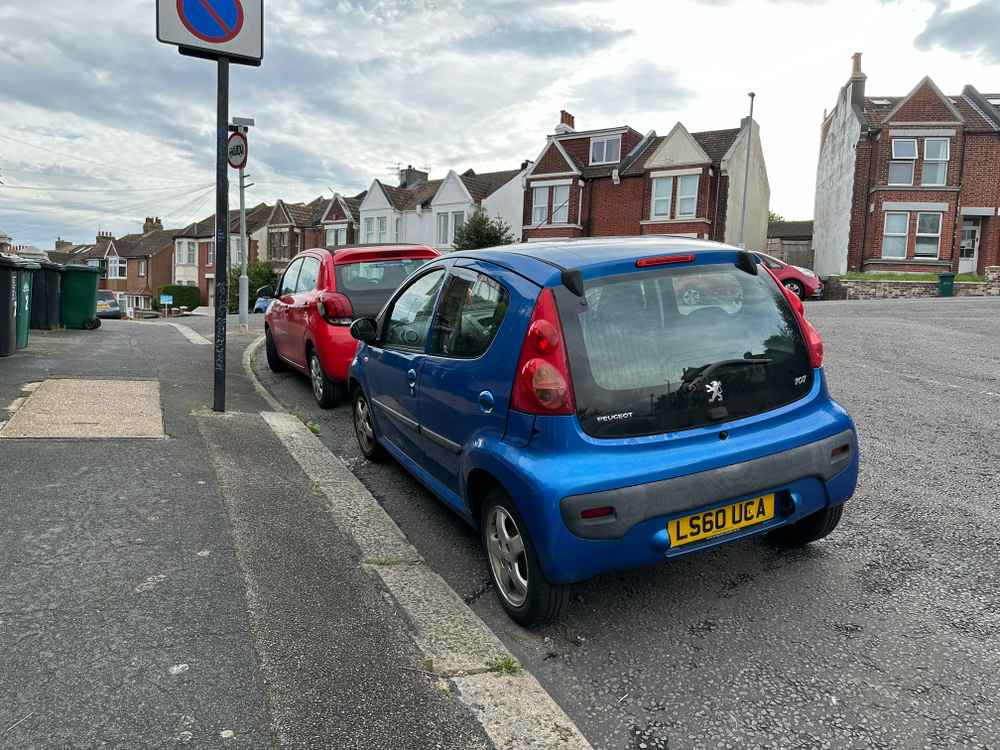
pixel 486 402
pixel 411 379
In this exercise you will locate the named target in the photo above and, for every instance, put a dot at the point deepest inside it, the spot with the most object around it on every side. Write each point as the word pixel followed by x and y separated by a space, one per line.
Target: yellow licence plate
pixel 102 305
pixel 708 523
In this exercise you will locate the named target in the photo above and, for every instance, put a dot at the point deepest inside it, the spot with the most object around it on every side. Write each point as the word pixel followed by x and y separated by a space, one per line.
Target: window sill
pixel 914 261
pixel 553 226
pixel 691 220
pixel 916 188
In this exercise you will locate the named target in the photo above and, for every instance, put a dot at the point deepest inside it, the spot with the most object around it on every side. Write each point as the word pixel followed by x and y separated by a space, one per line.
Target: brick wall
pixel 616 210
pixel 552 162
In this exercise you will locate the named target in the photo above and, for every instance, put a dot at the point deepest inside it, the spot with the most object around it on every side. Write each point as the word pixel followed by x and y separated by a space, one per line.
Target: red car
pixel 803 282
pixel 307 326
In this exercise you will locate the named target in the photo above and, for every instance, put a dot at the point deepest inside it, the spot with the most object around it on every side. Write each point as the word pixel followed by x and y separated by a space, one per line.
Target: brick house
pixel 908 183
pixel 337 223
pixel 194 249
pixel 617 181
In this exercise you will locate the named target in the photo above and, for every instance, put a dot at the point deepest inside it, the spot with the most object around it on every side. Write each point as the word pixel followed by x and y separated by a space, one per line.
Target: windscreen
pixel 672 349
pixel 369 284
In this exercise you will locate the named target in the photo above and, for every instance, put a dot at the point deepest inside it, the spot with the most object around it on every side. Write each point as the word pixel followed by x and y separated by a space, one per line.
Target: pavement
pixel 884 635
pixel 192 588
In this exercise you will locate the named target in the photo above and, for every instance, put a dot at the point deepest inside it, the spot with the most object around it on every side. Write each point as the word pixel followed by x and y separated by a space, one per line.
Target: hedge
pixel 184 296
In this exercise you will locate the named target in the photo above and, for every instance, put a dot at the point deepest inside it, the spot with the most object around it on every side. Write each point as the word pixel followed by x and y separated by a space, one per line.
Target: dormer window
pixel 606 149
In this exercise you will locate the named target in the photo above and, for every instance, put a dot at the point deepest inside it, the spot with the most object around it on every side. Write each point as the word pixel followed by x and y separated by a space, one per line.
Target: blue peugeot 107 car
pixel 571 401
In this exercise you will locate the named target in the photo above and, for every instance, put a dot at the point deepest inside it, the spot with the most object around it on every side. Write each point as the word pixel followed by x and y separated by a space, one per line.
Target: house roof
pixel 354 203
pixel 790 229
pixel 876 108
pixel 148 244
pixel 484 185
pixel 715 143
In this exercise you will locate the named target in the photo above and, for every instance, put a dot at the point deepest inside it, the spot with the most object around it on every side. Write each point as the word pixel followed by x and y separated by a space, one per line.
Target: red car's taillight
pixel 542 384
pixel 335 308
pixel 814 342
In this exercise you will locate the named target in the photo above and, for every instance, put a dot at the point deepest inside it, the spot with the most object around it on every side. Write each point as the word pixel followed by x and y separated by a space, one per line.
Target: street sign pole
pixel 221 233
pixel 244 279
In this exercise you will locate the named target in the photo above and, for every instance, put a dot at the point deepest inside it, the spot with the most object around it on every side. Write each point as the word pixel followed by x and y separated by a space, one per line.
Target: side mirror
pixel 365 329
pixel 266 291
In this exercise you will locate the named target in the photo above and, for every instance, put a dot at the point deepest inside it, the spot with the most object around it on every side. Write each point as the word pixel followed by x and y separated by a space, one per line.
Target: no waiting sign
pixel 237 150
pixel 213 28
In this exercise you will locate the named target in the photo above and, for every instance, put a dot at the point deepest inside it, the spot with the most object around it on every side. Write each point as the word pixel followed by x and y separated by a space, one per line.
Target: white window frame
pixel 141 272
pixel 653 213
pixel 604 140
pixel 560 206
pixel 442 228
pixel 117 267
pixel 944 160
pixel 383 228
pixel 210 254
pixel 905 235
pixel 888 177
pixel 936 235
pixel 399 228
pixel 457 220
pixel 536 206
pixel 916 150
pixel 693 197
pixel 192 253
pixel 369 229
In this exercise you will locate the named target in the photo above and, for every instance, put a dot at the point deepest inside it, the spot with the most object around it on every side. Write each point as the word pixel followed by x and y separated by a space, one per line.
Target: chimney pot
pixel 567 123
pixel 856 65
pixel 857 82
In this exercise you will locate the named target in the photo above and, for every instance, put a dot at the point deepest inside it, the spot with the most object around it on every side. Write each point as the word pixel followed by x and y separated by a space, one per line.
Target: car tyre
pixel 364 427
pixel 523 590
pixel 274 362
pixel 810 529
pixel 325 391
pixel 795 288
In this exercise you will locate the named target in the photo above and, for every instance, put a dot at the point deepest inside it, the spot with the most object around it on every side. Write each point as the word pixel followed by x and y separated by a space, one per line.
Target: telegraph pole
pixel 746 175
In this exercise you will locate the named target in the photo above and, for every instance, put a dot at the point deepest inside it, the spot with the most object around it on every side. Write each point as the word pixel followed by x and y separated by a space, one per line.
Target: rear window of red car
pixel 369 284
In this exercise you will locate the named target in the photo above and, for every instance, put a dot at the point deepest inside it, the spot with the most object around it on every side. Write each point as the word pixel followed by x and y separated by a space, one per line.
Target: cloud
pixel 969 31
pixel 639 87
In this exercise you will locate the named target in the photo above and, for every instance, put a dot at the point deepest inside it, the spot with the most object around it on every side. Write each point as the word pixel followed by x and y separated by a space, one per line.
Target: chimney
pixel 409 177
pixel 567 123
pixel 857 82
pixel 151 224
pixel 524 164
pixel 62 245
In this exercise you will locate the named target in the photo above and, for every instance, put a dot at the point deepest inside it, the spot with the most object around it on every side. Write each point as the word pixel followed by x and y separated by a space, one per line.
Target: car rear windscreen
pixel 369 284
pixel 641 345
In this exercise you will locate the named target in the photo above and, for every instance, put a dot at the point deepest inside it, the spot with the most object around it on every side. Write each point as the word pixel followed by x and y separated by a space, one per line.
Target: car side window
pixel 308 275
pixel 290 278
pixel 408 321
pixel 472 308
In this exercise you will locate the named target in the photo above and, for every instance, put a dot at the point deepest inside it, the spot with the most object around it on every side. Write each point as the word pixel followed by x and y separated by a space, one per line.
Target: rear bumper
pixel 336 348
pixel 676 496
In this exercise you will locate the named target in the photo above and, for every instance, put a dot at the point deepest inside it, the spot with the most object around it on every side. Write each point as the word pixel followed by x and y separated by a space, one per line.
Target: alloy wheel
pixel 505 548
pixel 316 375
pixel 363 424
pixel 794 287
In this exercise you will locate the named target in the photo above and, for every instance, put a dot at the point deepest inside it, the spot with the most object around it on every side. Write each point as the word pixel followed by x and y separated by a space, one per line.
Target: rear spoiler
pixel 745 262
pixel 572 279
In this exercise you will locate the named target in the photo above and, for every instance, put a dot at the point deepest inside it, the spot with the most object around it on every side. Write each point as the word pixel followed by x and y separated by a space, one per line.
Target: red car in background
pixel 801 281
pixel 307 326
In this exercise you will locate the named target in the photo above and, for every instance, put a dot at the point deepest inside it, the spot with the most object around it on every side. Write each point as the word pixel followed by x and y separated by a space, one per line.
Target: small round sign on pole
pixel 237 150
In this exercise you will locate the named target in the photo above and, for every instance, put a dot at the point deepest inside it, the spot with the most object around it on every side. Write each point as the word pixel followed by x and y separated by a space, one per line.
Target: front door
pixel 393 364
pixel 968 248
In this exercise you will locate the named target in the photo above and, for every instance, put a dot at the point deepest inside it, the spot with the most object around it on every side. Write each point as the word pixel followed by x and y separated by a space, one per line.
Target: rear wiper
pixel 693 376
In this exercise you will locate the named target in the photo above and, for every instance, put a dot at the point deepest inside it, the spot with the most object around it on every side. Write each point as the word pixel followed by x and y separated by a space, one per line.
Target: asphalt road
pixel 883 635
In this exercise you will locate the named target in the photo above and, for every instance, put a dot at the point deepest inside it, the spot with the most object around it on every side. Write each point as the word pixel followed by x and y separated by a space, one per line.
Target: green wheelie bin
pixel 946 285
pixel 45 288
pixel 8 304
pixel 78 301
pixel 25 271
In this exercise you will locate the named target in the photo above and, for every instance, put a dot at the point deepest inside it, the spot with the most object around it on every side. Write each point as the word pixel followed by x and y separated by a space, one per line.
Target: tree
pixel 259 273
pixel 482 231
pixel 773 216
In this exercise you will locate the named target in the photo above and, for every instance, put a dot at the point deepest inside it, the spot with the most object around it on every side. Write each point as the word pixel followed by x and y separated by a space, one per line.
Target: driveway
pixel 883 635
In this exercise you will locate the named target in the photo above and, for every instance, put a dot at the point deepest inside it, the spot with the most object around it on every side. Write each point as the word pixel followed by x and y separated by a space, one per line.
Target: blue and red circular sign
pixel 215 21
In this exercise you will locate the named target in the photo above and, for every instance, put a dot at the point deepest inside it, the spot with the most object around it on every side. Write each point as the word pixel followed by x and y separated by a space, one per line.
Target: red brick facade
pixel 609 200
pixel 971 193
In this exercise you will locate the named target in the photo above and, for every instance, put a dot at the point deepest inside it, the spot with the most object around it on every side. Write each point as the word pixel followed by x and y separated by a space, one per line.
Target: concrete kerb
pixel 514 709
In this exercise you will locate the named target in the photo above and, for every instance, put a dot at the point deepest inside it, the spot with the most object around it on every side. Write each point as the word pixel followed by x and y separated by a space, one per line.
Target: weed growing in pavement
pixel 506 665
pixel 313 427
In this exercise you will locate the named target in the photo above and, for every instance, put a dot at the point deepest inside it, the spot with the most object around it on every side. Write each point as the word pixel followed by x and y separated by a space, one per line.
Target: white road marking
pixel 190 334
pixel 515 711
pixel 150 583
pixel 15 404
pixel 178 669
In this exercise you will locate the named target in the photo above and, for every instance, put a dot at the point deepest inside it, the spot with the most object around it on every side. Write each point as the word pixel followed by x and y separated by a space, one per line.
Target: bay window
pixel 457 220
pixel 539 205
pixel 687 195
pixel 442 229
pixel 904 156
pixel 560 204
pixel 369 230
pixel 117 268
pixel 382 224
pixel 663 188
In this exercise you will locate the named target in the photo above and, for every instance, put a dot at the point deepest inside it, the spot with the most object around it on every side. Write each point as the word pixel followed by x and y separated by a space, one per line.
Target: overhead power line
pixel 164 189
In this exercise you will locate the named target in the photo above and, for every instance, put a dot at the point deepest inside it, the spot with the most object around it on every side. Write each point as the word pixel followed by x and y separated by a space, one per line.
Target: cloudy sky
pixel 101 125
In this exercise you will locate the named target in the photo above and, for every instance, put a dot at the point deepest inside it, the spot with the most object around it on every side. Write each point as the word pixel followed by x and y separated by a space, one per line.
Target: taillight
pixel 542 384
pixel 663 260
pixel 335 308
pixel 814 342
